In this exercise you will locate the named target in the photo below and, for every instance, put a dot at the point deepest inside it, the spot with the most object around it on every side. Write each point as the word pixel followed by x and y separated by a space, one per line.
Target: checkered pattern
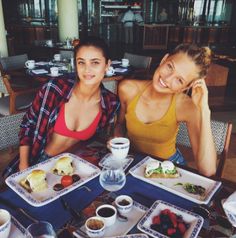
pixel 9 129
pixel 219 130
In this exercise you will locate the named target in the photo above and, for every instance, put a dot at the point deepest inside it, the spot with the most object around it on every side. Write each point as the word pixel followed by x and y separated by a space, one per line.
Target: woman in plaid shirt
pixel 66 111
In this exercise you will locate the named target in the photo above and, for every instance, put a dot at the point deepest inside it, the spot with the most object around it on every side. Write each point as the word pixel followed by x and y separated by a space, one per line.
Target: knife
pixel 14 207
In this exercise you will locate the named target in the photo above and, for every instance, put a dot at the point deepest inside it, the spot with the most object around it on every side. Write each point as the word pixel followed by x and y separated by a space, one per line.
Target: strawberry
pixel 182 228
pixel 173 219
pixel 166 211
pixel 171 231
pixel 156 220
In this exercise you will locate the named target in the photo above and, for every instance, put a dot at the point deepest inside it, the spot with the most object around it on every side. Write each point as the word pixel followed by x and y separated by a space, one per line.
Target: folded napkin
pixel 120 70
pixel 39 71
pixel 230 203
pixel 229 206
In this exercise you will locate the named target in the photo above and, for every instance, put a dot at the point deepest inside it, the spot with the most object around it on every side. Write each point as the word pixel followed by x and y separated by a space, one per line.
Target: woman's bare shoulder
pixel 129 88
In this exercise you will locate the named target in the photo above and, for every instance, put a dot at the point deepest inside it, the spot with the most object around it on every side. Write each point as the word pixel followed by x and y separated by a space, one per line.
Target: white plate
pixel 127 161
pixel 54 75
pixel 115 62
pixel 195 221
pixel 169 184
pixel 17 230
pixel 122 228
pixel 131 236
pixel 231 217
pixel 83 168
pixel 125 65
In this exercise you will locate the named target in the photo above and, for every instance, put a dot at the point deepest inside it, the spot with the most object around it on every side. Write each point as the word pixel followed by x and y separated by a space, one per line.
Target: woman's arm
pixel 24 157
pixel 199 128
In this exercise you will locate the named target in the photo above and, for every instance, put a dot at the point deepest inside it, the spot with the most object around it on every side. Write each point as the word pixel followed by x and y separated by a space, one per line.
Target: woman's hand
pixel 200 94
pixel 23 166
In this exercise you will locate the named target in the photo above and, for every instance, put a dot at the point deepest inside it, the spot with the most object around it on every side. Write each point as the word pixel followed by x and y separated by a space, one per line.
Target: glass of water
pixel 41 229
pixel 112 177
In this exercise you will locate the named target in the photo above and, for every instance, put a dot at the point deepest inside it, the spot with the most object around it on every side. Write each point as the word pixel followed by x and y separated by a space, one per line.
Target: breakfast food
pixel 165 169
pixel 66 181
pixel 194 189
pixel 170 224
pixel 36 181
pixel 63 166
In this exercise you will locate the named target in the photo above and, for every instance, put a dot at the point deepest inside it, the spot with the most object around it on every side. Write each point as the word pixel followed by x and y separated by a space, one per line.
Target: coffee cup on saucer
pixel 54 71
pixel 5 223
pixel 30 64
pixel 110 71
pixel 125 62
pixel 119 147
pixel 57 57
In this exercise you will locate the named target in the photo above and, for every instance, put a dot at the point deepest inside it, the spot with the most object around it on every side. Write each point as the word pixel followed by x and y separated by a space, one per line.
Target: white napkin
pixel 230 203
pixel 40 71
pixel 229 206
pixel 120 70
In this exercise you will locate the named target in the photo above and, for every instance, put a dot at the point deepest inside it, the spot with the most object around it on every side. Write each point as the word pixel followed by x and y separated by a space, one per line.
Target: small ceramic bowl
pixel 124 203
pixel 95 226
pixel 108 213
pixel 5 223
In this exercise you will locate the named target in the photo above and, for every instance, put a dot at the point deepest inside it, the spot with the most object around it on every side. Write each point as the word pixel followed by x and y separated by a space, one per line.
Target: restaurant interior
pixel 39 30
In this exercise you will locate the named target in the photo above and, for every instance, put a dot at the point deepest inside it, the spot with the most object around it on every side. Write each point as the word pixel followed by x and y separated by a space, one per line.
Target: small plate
pixel 83 168
pixel 125 66
pixel 127 161
pixel 195 221
pixel 131 236
pixel 54 75
pixel 115 62
pixel 17 230
pixel 119 229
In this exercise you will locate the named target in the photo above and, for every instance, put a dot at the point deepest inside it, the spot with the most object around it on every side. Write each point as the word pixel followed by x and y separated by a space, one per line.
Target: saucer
pixel 109 75
pixel 125 66
pixel 231 217
pixel 126 162
pixel 54 75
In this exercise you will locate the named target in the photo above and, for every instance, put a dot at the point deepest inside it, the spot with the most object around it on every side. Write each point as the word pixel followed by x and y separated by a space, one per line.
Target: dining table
pixel 83 199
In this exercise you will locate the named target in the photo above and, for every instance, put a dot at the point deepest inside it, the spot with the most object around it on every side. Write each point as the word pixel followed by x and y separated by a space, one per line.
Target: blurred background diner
pixel 39 29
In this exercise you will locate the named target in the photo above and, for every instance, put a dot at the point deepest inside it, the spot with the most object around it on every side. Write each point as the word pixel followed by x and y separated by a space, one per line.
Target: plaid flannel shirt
pixel 38 123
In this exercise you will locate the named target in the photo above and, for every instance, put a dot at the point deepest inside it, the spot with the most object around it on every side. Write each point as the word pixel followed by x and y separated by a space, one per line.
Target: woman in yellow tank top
pixel 151 110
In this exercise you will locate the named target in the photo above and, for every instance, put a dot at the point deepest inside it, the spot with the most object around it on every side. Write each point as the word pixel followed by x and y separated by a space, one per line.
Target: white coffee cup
pixel 54 71
pixel 110 71
pixel 49 43
pixel 108 213
pixel 30 64
pixel 5 223
pixel 125 62
pixel 119 147
pixel 95 226
pixel 57 57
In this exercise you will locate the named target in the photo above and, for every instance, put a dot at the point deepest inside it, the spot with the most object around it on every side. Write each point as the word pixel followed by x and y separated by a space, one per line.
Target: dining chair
pixel 16 99
pixel 13 62
pixel 139 61
pixel 9 129
pixel 221 134
pixel 216 81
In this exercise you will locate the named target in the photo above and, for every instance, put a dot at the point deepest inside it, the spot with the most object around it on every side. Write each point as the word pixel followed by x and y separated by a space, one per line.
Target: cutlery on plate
pixel 14 207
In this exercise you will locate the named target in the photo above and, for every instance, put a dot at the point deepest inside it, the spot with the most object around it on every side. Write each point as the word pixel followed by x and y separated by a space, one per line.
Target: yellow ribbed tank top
pixel 157 138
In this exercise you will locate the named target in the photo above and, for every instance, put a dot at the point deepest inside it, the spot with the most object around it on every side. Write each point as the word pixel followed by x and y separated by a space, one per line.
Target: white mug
pixel 54 71
pixel 5 223
pixel 108 213
pixel 110 71
pixel 30 64
pixel 125 62
pixel 119 147
pixel 49 42
pixel 57 57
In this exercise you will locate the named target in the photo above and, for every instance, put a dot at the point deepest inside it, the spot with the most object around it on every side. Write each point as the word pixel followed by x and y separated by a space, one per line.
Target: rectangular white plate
pixel 195 221
pixel 17 230
pixel 131 236
pixel 83 168
pixel 122 228
pixel 169 184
